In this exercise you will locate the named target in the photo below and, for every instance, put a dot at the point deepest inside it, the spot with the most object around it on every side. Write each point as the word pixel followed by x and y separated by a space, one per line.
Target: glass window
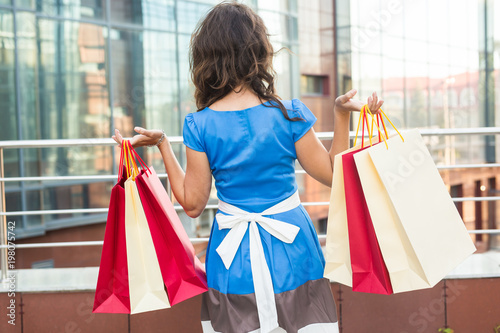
pixel 460 19
pixel 283 66
pixel 438 24
pixel 344 40
pixel 370 74
pixel 369 16
pixel 393 47
pixel 277 25
pixel 392 17
pixel 5 2
pixel 26 4
pixel 343 13
pixel 393 89
pixel 27 56
pixel 73 87
pixel 158 14
pixel 13 203
pixel 416 20
pixel 417 93
pixel 416 51
pixel 7 77
pixel 146 93
pixel 189 13
pixel 8 112
pixel 275 5
pixel 71 8
pixel 313 85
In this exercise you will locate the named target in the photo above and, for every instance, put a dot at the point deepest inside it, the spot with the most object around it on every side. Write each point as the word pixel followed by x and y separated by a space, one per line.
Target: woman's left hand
pixel 144 138
pixel 345 103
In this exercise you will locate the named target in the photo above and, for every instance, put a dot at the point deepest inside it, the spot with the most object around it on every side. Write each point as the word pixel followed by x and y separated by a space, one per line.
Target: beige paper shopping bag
pixel 145 281
pixel 423 222
pixel 338 261
pixel 337 256
pixel 399 256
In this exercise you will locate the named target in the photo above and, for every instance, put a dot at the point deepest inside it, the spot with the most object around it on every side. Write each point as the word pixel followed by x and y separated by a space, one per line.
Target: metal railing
pixel 174 140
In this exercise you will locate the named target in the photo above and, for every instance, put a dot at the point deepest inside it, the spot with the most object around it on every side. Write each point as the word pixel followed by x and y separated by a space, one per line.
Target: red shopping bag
pixel 112 290
pixel 369 272
pixel 182 272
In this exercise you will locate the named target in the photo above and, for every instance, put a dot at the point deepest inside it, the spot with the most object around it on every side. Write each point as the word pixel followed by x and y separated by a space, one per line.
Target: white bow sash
pixel 238 222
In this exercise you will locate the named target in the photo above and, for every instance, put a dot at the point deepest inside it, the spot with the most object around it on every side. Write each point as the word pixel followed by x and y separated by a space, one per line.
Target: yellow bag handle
pixel 125 158
pixel 364 120
pixel 135 170
pixel 359 122
pixel 380 133
pixel 130 163
pixel 365 110
pixel 383 124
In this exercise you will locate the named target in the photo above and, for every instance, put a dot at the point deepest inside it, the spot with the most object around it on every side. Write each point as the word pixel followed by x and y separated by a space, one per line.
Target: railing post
pixel 3 223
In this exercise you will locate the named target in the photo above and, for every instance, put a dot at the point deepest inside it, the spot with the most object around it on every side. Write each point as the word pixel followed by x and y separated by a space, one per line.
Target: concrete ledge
pixel 52 279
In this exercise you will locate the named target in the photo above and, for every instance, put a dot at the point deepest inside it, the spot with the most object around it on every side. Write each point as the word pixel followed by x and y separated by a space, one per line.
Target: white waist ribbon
pixel 238 223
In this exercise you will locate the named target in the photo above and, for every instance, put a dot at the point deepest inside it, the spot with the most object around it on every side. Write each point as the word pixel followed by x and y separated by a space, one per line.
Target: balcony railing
pixel 174 140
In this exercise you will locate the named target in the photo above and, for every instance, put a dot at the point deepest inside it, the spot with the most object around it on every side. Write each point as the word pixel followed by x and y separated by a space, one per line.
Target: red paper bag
pixel 369 273
pixel 112 290
pixel 182 272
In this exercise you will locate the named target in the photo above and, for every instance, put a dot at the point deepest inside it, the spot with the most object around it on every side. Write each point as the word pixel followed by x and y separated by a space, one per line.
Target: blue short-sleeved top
pixel 251 152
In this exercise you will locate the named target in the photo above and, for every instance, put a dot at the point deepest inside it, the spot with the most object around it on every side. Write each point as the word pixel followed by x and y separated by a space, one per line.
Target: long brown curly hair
pixel 230 48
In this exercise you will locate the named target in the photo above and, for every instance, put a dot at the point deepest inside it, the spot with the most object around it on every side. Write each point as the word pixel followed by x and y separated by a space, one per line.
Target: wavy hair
pixel 230 48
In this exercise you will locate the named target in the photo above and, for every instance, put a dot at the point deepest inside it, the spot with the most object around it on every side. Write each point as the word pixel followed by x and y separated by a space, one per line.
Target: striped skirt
pixel 303 298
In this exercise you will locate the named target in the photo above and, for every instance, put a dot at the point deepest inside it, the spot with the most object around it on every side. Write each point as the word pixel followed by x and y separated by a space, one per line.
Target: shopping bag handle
pixel 141 161
pixel 130 164
pixel 360 120
pixel 381 135
pixel 120 166
pixel 390 122
pixel 364 120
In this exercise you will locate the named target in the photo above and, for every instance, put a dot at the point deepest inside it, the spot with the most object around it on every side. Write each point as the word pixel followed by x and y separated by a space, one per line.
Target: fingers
pixel 142 131
pixel 347 96
pixel 117 137
pixel 374 104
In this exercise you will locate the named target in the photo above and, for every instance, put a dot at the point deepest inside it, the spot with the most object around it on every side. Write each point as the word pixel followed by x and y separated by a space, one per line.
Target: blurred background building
pixel 80 68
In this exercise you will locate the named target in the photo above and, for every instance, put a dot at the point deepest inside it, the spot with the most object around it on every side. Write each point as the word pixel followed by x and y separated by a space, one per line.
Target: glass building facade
pixel 434 62
pixel 78 69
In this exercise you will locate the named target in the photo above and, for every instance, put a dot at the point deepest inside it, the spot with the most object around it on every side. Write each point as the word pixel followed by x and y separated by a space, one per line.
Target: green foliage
pixel 446 330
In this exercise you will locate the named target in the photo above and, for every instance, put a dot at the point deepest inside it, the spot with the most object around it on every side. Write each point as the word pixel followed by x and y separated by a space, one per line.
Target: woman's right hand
pixel 144 138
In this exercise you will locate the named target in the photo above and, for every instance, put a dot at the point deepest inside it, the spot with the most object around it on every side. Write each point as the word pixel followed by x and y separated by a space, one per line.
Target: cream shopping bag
pixel 338 261
pixel 420 232
pixel 337 255
pixel 146 288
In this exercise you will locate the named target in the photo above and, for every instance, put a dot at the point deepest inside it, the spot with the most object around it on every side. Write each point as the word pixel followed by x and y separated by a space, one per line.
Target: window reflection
pixel 71 8
pixel 73 95
pixel 7 79
pixel 146 94
pixel 189 13
pixel 157 14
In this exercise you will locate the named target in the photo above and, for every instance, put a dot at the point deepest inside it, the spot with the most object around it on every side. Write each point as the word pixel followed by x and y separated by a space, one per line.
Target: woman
pixel 264 262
